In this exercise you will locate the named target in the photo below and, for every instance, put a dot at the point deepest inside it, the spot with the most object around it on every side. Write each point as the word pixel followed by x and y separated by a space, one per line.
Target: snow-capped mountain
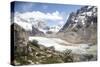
pixel 33 26
pixel 51 29
pixel 55 28
pixel 82 16
pixel 82 24
pixel 22 22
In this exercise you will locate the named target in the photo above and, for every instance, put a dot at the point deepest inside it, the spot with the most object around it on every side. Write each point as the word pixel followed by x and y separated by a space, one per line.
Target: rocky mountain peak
pixel 81 24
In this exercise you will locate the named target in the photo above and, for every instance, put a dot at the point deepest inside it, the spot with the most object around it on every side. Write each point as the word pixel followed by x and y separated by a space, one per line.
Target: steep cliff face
pixel 81 25
pixel 19 41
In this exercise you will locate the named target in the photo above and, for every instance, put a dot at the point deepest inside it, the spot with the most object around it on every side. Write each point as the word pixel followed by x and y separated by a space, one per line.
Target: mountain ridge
pixel 81 25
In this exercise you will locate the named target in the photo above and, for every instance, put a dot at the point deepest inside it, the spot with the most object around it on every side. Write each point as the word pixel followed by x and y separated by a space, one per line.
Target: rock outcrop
pixel 19 41
pixel 35 32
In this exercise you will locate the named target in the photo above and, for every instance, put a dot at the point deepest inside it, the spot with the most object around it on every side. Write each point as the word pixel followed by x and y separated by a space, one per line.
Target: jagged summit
pixel 81 24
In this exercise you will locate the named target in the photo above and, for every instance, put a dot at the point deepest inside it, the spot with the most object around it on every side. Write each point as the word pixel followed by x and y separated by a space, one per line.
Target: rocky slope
pixel 35 32
pixel 34 52
pixel 19 41
pixel 81 26
pixel 26 52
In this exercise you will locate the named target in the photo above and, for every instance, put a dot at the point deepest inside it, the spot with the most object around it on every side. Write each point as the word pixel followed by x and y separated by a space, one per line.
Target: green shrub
pixel 68 56
pixel 35 43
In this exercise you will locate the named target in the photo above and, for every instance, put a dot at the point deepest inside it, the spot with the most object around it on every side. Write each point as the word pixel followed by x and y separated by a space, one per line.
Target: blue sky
pixel 61 10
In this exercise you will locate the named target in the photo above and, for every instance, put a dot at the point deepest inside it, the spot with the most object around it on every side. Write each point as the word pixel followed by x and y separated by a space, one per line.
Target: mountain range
pixel 81 25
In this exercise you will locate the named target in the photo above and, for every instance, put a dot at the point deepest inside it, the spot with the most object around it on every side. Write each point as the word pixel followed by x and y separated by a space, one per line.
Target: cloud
pixel 27 19
pixel 41 15
pixel 23 23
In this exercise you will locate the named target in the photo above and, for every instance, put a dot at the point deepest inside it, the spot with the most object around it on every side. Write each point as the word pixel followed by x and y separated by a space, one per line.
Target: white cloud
pixel 40 15
pixel 27 19
pixel 26 26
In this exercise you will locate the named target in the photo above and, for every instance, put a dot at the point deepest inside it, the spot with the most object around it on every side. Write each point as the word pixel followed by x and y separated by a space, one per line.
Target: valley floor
pixel 46 50
pixel 62 45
